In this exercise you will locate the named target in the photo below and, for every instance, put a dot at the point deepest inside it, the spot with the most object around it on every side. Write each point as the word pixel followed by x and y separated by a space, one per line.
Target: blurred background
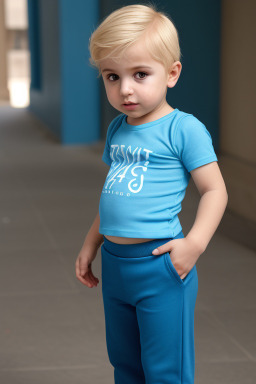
pixel 54 116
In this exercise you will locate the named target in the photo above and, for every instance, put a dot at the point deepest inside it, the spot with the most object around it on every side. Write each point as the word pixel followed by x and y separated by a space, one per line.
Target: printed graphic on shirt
pixel 127 171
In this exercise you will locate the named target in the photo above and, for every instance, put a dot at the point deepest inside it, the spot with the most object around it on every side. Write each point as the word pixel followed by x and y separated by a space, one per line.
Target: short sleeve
pixel 112 128
pixel 193 143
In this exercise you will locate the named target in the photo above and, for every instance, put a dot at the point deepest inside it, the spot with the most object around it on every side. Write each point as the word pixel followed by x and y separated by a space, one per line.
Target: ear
pixel 174 74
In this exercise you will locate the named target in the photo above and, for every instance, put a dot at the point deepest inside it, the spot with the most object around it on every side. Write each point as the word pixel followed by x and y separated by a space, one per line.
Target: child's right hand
pixel 84 266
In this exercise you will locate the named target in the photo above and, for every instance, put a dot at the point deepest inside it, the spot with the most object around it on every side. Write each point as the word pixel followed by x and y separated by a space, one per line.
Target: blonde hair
pixel 127 25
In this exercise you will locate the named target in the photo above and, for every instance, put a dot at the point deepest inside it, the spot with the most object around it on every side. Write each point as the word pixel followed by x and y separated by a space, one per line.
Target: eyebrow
pixel 138 66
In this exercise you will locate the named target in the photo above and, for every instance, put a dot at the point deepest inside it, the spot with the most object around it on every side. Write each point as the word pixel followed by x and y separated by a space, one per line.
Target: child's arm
pixel 93 237
pixel 213 202
pixel 212 205
pixel 88 253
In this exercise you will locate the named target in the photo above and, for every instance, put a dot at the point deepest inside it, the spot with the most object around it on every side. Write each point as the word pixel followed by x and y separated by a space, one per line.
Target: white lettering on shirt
pixel 125 164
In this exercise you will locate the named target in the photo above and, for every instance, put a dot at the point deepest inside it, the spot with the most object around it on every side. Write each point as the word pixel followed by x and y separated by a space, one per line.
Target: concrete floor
pixel 52 327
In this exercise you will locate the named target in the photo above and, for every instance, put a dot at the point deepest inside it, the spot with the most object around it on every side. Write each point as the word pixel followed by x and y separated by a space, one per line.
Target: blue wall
pixel 45 98
pixel 64 89
pixel 80 87
pixel 198 88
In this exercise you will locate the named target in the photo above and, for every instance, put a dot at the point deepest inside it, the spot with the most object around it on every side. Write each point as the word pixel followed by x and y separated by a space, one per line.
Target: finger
pixel 183 276
pixel 90 274
pixel 82 275
pixel 89 277
pixel 93 277
pixel 164 248
pixel 85 282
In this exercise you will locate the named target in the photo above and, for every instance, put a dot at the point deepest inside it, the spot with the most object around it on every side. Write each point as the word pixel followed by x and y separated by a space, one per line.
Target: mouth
pixel 130 106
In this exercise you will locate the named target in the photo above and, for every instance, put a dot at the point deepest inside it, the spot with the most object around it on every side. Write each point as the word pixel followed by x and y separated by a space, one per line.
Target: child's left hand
pixel 184 253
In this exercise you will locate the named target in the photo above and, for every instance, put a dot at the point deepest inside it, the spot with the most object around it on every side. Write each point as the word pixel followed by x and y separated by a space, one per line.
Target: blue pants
pixel 149 314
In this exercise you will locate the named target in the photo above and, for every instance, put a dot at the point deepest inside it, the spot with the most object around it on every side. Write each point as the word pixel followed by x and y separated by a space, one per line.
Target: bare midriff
pixel 126 240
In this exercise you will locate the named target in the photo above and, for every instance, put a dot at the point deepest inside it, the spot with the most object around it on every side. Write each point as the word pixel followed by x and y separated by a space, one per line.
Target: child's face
pixel 146 86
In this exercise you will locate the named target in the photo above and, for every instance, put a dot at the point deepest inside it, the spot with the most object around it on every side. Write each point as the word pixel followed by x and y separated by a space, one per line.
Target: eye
pixel 110 75
pixel 113 77
pixel 142 73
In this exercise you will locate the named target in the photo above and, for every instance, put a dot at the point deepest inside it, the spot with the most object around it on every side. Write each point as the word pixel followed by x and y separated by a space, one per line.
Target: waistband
pixel 136 250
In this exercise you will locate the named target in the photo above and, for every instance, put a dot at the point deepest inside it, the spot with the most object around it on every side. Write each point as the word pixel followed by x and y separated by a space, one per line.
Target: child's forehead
pixel 136 64
pixel 136 52
pixel 130 59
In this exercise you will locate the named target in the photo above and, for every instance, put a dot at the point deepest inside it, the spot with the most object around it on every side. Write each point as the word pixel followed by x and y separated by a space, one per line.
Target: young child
pixel 149 276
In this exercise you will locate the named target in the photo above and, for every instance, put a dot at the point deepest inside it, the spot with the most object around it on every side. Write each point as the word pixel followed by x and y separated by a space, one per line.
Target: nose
pixel 126 88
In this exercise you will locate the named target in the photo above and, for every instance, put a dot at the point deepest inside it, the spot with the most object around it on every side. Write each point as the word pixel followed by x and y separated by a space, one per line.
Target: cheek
pixel 152 93
pixel 111 92
pixel 153 90
pixel 112 96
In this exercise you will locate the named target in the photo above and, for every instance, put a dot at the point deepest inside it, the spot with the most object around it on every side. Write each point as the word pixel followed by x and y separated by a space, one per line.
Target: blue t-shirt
pixel 149 173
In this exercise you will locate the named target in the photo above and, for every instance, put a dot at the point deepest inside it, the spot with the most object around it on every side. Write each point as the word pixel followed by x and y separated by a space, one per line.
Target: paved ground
pixel 51 326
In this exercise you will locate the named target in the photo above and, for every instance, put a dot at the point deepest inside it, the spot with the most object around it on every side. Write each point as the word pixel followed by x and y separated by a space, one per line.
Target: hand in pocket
pixel 183 254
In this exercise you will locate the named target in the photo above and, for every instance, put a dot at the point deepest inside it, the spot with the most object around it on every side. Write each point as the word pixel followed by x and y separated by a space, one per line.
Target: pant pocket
pixel 170 267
